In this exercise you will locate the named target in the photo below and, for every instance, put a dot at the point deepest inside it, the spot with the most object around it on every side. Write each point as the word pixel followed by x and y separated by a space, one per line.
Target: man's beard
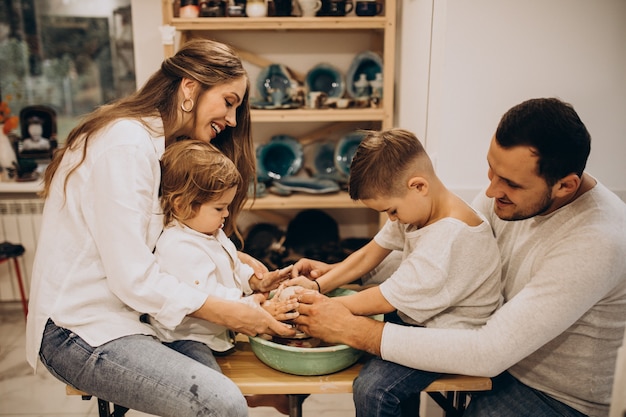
pixel 535 210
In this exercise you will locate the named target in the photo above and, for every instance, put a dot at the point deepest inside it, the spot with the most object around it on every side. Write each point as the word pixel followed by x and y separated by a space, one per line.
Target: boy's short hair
pixel 194 172
pixel 384 161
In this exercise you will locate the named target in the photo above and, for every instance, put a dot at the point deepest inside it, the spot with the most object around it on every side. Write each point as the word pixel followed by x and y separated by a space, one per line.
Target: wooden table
pixel 254 377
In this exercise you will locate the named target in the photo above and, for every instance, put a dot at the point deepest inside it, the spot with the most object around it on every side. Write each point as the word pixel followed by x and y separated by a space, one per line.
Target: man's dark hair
pixel 555 132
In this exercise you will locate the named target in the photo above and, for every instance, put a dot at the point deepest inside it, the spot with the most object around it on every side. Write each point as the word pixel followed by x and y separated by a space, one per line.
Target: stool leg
pixel 295 404
pixel 20 284
pixel 104 410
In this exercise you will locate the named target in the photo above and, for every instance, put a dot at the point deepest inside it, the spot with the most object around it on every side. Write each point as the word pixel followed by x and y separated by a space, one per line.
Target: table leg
pixel 295 404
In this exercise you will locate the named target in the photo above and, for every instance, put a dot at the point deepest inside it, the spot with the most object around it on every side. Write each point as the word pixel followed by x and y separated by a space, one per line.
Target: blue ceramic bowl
pixel 368 63
pixel 281 156
pixel 326 78
pixel 345 150
pixel 274 77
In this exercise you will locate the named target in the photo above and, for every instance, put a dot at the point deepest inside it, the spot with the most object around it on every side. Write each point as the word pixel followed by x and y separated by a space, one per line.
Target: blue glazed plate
pixel 281 156
pixel 368 63
pixel 274 76
pixel 345 150
pixel 326 78
pixel 307 185
pixel 322 160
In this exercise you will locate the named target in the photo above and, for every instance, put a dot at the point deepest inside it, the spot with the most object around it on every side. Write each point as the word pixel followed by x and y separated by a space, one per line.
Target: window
pixel 71 55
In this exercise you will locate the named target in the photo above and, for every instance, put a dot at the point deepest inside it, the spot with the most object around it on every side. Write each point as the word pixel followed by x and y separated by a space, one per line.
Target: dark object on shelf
pixel 212 8
pixel 264 241
pixel 42 143
pixel 314 234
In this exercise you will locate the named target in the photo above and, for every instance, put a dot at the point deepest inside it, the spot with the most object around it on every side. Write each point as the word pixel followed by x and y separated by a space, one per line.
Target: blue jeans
pixel 510 398
pixel 180 379
pixel 387 389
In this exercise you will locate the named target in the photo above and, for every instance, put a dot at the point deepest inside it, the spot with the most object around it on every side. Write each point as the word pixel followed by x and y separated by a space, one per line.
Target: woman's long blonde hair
pixel 210 63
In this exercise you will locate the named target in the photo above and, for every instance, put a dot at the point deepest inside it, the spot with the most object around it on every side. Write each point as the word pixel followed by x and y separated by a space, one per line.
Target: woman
pixel 95 274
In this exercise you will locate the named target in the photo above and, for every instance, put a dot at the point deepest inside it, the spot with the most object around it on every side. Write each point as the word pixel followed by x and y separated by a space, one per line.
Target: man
pixel 562 237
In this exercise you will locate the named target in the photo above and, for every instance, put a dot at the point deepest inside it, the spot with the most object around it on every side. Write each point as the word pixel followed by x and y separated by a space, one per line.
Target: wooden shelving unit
pixel 382 32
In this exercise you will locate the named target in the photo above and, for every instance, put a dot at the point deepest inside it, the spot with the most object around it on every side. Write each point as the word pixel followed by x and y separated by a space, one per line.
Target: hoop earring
pixel 182 105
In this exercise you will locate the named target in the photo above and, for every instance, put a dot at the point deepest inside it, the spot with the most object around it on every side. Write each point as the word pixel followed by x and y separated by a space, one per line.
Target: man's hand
pixel 331 321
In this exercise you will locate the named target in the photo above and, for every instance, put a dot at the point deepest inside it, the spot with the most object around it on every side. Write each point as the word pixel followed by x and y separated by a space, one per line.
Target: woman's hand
pixel 282 310
pixel 310 268
pixel 249 319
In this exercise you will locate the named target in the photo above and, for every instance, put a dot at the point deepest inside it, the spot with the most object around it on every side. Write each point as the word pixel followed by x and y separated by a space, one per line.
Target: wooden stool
pixel 10 251
pixel 254 377
pixel 104 407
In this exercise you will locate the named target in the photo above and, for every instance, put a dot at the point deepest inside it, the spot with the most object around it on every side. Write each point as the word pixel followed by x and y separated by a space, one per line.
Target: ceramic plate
pixel 307 185
pixel 368 63
pixel 326 78
pixel 281 156
pixel 266 105
pixel 321 160
pixel 274 77
pixel 345 150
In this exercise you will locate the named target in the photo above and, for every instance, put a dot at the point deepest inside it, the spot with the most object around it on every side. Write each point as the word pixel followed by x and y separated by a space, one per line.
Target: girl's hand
pixel 270 280
pixel 257 266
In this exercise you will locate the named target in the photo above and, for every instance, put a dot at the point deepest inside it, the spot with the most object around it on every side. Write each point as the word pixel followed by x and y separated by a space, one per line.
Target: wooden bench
pixel 254 377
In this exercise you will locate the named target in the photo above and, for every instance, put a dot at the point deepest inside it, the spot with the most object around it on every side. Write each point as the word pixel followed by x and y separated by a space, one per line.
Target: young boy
pixel 198 183
pixel 449 276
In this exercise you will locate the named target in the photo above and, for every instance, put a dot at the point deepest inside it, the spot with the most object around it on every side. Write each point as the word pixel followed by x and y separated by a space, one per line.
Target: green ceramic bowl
pixel 306 360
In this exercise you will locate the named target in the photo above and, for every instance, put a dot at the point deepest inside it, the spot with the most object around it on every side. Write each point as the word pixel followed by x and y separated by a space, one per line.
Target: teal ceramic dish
pixel 368 63
pixel 326 78
pixel 281 156
pixel 271 78
pixel 345 150
pixel 307 361
pixel 307 185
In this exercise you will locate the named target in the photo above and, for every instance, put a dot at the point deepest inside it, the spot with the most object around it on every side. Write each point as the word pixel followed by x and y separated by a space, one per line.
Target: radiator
pixel 20 220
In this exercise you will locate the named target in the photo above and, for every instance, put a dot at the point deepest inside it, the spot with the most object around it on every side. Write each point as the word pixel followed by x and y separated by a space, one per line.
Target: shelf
pixel 14 187
pixel 279 23
pixel 303 201
pixel 375 33
pixel 323 115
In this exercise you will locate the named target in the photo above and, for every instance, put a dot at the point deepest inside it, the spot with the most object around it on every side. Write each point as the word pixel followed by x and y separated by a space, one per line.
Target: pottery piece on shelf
pixel 272 78
pixel 281 156
pixel 345 150
pixel 326 78
pixel 368 63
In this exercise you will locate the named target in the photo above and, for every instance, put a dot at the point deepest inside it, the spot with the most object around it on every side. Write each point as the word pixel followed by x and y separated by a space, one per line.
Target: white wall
pixel 488 55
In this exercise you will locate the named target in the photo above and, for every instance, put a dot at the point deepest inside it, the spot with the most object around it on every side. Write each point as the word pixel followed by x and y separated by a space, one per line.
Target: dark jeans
pixel 387 389
pixel 510 398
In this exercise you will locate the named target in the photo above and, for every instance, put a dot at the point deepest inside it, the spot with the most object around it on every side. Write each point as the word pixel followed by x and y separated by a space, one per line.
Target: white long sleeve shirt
pixel 210 264
pixel 94 271
pixel 563 319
